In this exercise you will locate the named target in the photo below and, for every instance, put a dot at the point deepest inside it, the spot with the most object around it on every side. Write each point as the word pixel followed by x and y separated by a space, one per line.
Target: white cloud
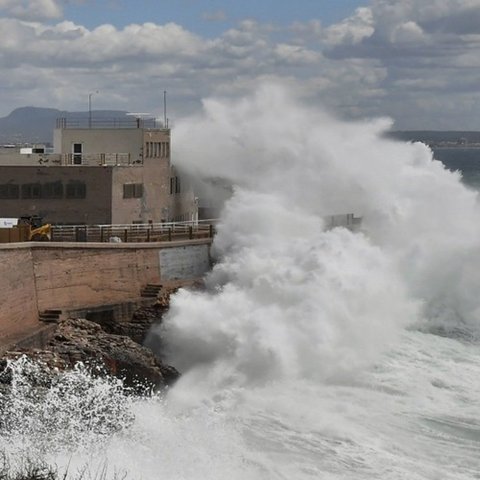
pixel 215 16
pixel 32 9
pixel 410 28
pixel 67 44
pixel 353 29
pixel 295 55
pixel 406 33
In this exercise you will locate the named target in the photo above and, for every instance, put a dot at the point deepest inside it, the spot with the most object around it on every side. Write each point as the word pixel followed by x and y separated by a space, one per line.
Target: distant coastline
pixel 469 146
pixel 440 139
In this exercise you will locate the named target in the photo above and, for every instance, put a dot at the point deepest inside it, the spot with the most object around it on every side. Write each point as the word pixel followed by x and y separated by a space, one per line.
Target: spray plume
pixel 288 299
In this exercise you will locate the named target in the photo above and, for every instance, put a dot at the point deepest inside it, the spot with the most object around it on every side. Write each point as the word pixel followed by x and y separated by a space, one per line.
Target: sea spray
pixel 292 165
pixel 47 410
pixel 289 301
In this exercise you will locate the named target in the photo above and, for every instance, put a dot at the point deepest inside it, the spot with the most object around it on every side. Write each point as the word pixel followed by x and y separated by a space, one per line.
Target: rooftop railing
pixel 117 122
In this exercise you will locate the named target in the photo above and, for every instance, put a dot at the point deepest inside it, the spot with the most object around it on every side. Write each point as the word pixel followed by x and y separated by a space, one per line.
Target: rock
pixel 78 340
pixel 138 326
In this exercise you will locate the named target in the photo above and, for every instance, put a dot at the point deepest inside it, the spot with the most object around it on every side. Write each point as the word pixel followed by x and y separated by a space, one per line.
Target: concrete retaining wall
pixel 18 296
pixel 184 262
pixel 71 276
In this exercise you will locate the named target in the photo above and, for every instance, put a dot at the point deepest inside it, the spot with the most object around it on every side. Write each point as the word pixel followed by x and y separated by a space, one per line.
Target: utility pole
pixel 165 109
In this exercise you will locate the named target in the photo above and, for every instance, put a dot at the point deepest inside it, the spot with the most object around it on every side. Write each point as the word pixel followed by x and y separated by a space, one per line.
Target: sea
pixel 463 159
pixel 311 353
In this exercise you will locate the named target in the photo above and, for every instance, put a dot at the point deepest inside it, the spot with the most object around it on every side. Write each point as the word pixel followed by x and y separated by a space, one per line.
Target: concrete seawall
pixel 72 276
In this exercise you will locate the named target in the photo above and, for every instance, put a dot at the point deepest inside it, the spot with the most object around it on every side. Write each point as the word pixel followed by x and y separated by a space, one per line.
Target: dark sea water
pixel 466 160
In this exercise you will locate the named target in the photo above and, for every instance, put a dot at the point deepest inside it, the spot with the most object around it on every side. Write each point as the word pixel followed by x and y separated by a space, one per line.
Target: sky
pixel 415 61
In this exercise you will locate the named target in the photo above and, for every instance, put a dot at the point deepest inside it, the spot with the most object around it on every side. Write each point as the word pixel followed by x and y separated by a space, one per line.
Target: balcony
pixel 96 159
pixel 71 159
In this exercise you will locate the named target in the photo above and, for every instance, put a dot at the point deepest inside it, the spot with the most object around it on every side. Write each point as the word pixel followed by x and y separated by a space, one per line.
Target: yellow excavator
pixel 37 231
pixel 28 228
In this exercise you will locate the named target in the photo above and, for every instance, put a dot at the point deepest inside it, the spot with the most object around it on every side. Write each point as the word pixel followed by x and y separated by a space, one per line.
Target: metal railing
pixel 82 159
pixel 347 220
pixel 99 159
pixel 145 232
pixel 108 122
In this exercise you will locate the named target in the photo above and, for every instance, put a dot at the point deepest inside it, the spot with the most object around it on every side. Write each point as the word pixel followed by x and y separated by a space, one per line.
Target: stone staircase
pixel 50 316
pixel 151 290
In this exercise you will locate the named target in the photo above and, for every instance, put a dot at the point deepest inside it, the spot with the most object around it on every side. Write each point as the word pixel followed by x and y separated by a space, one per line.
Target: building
pixel 108 171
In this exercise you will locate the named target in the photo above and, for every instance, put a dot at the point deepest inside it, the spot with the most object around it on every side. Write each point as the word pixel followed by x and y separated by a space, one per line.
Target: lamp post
pixel 90 95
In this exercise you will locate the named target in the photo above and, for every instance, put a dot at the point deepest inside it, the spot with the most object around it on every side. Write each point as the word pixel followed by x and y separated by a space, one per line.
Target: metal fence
pixel 75 159
pixel 347 220
pixel 96 159
pixel 150 232
pixel 108 122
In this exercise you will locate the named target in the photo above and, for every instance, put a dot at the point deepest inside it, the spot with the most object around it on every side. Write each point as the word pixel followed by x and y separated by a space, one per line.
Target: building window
pixel 157 149
pixel 52 190
pixel 133 190
pixel 76 190
pixel 9 191
pixel 31 190
pixel 77 149
pixel 174 185
pixel 165 149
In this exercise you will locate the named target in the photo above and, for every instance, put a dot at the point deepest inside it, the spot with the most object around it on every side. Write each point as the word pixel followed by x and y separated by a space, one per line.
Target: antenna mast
pixel 165 122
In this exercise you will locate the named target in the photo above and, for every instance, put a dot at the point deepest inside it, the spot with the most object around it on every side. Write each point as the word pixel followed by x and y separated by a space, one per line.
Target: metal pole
pixel 165 109
pixel 90 95
pixel 90 110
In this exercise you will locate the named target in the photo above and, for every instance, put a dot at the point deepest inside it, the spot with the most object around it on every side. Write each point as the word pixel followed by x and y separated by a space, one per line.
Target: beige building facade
pixel 118 173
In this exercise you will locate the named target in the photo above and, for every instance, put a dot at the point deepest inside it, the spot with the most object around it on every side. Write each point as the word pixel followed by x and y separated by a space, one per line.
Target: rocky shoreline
pixel 114 348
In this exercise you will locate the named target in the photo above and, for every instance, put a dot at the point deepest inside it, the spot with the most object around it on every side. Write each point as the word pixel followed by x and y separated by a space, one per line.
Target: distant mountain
pixel 35 125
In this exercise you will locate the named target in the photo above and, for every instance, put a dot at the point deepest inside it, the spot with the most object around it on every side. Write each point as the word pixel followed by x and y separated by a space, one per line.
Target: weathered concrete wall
pixel 18 299
pixel 184 262
pixel 71 277
pixel 41 276
pixel 128 210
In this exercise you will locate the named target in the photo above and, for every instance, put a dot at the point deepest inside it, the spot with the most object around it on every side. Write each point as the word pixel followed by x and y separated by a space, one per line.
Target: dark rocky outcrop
pixel 138 325
pixel 81 340
pixel 114 348
pixel 78 340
